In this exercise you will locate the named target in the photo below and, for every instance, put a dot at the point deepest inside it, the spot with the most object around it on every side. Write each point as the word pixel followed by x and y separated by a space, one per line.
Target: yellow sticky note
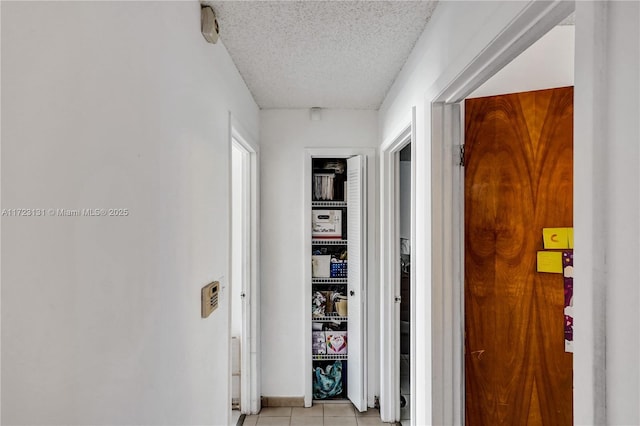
pixel 555 238
pixel 570 236
pixel 550 261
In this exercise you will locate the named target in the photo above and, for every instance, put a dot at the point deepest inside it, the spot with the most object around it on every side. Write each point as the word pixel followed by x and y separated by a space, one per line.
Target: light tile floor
pixel 318 415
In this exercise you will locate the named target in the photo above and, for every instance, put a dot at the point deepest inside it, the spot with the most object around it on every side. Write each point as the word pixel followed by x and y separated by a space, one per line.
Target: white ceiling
pixel 330 54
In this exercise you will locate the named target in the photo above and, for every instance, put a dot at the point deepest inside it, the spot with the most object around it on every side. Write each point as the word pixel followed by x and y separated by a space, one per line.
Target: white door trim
pixel 250 339
pixel 447 277
pixel 389 273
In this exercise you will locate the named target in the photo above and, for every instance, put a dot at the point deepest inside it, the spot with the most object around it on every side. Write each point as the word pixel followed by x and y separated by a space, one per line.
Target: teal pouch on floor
pixel 328 381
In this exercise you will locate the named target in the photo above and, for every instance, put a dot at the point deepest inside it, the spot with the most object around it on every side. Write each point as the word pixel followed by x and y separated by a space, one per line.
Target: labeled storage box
pixel 326 223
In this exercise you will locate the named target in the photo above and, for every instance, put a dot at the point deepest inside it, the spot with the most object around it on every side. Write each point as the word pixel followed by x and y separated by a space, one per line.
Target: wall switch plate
pixel 210 298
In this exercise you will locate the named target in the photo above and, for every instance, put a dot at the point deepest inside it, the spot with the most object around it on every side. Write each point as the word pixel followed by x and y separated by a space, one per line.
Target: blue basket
pixel 339 269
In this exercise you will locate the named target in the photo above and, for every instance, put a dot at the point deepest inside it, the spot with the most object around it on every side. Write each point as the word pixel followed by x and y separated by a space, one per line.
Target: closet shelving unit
pixel 328 284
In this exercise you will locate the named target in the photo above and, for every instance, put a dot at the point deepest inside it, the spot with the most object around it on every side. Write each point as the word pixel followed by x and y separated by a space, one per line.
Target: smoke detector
pixel 209 27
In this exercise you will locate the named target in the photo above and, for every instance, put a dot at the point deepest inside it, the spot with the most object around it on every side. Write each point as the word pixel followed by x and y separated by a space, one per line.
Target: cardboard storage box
pixel 326 223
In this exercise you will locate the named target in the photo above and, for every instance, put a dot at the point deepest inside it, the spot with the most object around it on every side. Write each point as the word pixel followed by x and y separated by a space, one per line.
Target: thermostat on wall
pixel 210 298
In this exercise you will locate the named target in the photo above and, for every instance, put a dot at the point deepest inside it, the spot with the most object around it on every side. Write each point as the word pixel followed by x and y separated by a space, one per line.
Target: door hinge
pixel 461 163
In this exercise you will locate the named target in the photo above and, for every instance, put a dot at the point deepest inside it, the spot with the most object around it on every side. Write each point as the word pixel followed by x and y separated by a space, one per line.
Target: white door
pixel 356 249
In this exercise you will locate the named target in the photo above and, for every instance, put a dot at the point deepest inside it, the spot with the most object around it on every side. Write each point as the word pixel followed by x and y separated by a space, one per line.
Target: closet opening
pixel 337 271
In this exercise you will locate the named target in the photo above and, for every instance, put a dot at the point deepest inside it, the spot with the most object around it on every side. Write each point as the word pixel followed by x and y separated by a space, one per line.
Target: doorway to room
pixel 397 310
pixel 239 272
pixel 243 283
pixel 404 208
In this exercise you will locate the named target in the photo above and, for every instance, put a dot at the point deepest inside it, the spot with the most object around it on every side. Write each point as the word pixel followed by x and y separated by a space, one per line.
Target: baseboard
pixel 283 401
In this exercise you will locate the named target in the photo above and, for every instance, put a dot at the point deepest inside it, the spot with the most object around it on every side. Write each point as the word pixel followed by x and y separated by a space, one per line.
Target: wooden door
pixel 518 180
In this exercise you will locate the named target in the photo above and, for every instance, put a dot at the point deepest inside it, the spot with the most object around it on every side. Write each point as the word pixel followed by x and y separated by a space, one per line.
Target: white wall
pixel 622 219
pixel 606 206
pixel 546 64
pixel 284 136
pixel 115 105
pixel 456 33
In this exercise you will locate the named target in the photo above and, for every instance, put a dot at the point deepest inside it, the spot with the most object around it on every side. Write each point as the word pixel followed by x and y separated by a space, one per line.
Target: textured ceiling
pixel 331 54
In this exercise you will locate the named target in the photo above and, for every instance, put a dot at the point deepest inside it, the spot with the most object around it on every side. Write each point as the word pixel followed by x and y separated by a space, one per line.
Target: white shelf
pixel 329 318
pixel 328 204
pixel 329 357
pixel 328 242
pixel 316 280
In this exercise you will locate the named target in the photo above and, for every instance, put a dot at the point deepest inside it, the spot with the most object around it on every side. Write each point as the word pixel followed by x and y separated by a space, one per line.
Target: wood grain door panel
pixel 518 180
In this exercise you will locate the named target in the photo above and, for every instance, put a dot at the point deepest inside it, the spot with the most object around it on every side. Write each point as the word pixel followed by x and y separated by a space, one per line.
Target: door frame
pixel 445 113
pixel 250 339
pixel 390 272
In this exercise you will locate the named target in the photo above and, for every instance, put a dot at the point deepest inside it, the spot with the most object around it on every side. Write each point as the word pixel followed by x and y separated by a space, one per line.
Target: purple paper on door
pixel 567 271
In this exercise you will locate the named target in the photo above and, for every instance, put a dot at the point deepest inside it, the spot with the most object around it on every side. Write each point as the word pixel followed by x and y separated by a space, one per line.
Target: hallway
pixel 118 122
